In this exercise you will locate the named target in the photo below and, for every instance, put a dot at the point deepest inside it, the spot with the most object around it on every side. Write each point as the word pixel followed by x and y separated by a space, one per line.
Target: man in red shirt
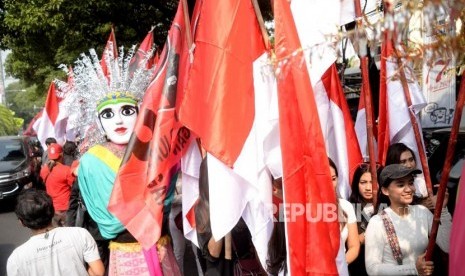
pixel 58 179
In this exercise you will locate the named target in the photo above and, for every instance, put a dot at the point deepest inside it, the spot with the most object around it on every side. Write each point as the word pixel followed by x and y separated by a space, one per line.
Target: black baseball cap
pixel 395 171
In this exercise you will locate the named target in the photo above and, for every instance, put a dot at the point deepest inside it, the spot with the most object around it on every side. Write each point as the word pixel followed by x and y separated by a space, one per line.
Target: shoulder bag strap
pixel 392 237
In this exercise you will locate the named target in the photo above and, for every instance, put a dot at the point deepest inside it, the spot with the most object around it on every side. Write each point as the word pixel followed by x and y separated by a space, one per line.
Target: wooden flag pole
pixel 261 23
pixel 185 9
pixel 370 136
pixel 413 120
pixel 368 110
pixel 446 169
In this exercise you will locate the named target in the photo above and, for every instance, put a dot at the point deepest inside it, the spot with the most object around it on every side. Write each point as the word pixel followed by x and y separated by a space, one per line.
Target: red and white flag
pixel 361 128
pixel 213 104
pixel 315 29
pixel 312 244
pixel 190 167
pixel 341 140
pixel 394 124
pixel 30 130
pixel 53 121
pixel 245 191
pixel 214 97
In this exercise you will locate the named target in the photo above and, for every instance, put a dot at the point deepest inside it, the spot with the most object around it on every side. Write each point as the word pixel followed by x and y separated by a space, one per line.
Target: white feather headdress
pixel 88 87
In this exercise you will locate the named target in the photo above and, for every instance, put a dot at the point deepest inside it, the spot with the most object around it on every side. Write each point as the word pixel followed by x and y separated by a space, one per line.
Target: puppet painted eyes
pixel 118 121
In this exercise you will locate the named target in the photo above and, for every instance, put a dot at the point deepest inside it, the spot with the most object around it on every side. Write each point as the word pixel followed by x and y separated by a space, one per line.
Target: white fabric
pixel 190 166
pixel 348 209
pixel 360 127
pixel 316 30
pixel 341 262
pixel 246 190
pixel 420 186
pixel 400 127
pixel 63 252
pixel 412 232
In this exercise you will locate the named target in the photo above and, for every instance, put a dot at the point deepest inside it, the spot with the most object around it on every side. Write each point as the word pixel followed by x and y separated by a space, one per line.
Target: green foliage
pixel 25 102
pixel 43 34
pixel 9 125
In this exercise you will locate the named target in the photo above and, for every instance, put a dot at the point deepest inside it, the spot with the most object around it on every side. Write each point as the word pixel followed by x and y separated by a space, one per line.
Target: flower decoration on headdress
pixel 90 89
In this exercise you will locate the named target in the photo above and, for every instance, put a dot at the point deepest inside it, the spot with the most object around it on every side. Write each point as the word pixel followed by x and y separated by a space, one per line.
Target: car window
pixel 11 150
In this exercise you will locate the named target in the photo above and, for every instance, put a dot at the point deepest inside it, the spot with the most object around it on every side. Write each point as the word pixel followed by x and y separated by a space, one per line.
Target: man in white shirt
pixel 51 251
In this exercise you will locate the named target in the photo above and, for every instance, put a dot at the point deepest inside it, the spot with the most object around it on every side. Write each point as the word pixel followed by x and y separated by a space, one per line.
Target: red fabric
pixel 312 245
pixel 457 237
pixel 220 87
pixel 333 87
pixel 111 40
pixel 51 104
pixel 140 55
pixel 58 184
pixel 383 122
pixel 154 151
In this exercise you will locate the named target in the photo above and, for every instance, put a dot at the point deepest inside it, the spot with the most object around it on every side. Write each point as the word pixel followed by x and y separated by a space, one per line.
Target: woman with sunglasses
pixel 362 200
pixel 347 220
pixel 397 237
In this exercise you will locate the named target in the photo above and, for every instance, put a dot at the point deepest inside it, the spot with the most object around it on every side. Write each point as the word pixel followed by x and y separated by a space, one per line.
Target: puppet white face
pixel 118 121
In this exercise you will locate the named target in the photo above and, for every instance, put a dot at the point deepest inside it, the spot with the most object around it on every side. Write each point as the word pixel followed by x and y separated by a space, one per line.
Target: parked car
pixel 18 165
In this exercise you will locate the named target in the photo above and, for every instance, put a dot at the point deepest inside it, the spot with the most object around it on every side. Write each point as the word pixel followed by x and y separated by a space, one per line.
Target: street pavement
pixel 12 234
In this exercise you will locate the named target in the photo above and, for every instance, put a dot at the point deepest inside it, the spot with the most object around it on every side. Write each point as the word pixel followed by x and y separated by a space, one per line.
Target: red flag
pixel 110 46
pixel 51 123
pixel 154 151
pixel 142 52
pixel 220 86
pixel 313 244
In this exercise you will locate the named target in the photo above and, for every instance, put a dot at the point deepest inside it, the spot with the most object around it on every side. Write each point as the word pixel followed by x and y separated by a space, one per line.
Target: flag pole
pixel 369 110
pixel 185 9
pixel 446 169
pixel 413 119
pixel 261 23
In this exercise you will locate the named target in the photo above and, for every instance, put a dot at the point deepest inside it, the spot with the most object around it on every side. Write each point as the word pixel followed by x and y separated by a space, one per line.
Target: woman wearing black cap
pixel 396 238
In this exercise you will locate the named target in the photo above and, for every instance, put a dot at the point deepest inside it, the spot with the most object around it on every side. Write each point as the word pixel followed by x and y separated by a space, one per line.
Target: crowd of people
pixel 387 239
pixel 74 233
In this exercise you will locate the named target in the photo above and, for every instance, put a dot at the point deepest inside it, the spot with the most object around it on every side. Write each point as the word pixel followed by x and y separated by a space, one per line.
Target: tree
pixel 26 102
pixel 43 34
pixel 9 125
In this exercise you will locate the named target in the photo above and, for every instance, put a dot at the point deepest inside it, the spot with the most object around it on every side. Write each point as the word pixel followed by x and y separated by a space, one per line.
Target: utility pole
pixel 2 81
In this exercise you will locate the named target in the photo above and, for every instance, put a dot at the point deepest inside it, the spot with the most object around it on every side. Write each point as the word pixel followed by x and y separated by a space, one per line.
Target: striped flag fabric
pixel 313 245
pixel 315 30
pixel 394 124
pixel 53 121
